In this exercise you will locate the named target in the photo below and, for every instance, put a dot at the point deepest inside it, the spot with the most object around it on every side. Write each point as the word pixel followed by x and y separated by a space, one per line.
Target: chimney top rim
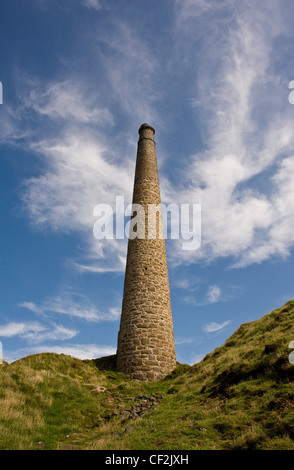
pixel 146 126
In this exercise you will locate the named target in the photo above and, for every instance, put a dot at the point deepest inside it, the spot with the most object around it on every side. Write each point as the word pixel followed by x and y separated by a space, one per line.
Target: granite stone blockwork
pixel 146 348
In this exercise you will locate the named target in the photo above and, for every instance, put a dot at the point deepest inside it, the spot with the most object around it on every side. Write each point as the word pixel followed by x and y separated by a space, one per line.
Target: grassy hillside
pixel 240 396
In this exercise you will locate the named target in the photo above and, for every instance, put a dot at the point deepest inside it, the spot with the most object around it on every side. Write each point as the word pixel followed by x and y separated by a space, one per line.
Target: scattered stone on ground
pixel 144 404
pixel 40 445
pixel 99 389
pixel 69 447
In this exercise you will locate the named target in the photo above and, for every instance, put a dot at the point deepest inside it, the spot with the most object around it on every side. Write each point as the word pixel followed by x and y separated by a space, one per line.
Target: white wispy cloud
pixel 36 332
pixel 65 305
pixel 83 351
pixel 101 268
pixel 189 283
pixel 90 4
pixel 182 283
pixel 18 329
pixel 195 358
pixel 209 295
pixel 212 327
pixel 31 306
pixel 79 177
pixel 95 4
pixel 183 340
pixel 214 294
pixel 80 164
pixel 190 9
pixel 247 128
pixel 79 351
pixel 65 100
pixel 134 72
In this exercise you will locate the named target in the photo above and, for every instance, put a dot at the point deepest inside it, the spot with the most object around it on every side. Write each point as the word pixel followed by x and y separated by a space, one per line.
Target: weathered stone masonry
pixel 146 349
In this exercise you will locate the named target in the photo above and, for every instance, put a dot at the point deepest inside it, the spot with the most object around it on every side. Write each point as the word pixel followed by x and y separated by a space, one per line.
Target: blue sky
pixel 79 78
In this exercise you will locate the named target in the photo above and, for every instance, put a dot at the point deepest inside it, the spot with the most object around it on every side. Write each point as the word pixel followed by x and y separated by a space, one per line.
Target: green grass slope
pixel 240 396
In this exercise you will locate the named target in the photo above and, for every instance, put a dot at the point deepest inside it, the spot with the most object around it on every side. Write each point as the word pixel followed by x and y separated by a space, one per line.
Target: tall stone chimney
pixel 146 348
